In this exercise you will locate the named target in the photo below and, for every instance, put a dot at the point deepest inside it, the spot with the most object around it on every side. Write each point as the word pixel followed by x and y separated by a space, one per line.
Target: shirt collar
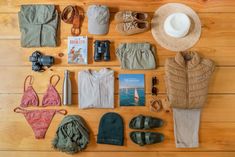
pixel 187 58
pixel 99 74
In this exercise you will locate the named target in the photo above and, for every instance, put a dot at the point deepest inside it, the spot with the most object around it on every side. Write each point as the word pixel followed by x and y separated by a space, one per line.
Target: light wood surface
pixel 217 42
pixel 119 154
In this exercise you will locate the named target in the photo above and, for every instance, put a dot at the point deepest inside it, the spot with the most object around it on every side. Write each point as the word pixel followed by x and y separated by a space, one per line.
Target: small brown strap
pixel 19 110
pixel 155 105
pixel 62 111
pixel 30 77
pixel 58 79
pixel 74 18
pixel 64 15
pixel 75 30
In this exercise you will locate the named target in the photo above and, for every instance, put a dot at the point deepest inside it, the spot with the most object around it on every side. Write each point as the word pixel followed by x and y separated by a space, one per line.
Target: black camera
pixel 39 60
pixel 101 47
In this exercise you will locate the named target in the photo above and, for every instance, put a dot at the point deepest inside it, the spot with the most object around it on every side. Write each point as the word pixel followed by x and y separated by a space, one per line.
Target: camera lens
pixel 46 60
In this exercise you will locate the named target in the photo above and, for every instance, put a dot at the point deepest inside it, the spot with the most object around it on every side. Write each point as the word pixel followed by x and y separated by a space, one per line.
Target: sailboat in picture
pixel 132 91
pixel 136 96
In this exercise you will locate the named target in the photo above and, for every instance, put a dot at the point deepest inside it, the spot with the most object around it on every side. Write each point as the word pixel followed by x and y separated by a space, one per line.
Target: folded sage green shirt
pixel 38 25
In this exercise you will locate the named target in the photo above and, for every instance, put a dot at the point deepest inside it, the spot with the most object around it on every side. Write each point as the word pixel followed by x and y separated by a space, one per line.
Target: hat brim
pixel 96 28
pixel 171 43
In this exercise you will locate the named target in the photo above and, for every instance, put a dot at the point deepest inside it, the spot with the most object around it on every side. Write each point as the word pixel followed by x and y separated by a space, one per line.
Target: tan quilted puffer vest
pixel 187 77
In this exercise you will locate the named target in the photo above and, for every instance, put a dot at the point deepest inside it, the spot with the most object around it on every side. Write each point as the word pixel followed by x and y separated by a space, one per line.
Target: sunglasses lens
pixel 154 81
pixel 154 91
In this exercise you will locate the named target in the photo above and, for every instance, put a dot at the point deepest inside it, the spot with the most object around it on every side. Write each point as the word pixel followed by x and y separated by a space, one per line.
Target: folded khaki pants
pixel 136 56
pixel 186 127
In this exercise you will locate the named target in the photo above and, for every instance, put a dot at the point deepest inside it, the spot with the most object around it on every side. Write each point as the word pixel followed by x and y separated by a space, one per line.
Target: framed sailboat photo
pixel 131 90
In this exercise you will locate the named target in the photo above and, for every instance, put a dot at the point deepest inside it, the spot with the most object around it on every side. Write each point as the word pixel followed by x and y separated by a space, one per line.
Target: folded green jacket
pixel 38 25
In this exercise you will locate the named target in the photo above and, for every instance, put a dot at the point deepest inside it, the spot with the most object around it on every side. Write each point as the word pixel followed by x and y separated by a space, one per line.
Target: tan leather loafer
pixel 128 16
pixel 134 27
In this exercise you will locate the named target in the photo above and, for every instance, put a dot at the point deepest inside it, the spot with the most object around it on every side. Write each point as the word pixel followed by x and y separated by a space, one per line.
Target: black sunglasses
pixel 154 83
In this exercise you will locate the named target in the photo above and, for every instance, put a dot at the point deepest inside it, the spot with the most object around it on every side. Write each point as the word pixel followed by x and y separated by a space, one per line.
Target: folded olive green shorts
pixel 136 56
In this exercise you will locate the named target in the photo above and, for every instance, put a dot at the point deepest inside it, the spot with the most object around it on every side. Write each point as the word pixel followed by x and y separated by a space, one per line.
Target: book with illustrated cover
pixel 77 50
pixel 131 90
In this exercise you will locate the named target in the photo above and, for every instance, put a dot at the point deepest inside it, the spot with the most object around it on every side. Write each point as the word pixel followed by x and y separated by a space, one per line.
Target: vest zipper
pixel 187 86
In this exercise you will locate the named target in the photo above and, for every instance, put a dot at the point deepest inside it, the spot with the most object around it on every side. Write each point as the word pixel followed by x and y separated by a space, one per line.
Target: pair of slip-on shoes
pixel 145 123
pixel 131 22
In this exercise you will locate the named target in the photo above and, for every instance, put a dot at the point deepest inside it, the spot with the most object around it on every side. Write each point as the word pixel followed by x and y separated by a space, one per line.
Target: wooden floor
pixel 217 131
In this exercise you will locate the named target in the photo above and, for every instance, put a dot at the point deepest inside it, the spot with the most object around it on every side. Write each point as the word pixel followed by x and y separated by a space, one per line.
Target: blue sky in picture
pixel 131 81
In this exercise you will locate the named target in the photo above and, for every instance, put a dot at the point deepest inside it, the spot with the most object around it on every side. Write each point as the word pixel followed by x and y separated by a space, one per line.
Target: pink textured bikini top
pixel 50 98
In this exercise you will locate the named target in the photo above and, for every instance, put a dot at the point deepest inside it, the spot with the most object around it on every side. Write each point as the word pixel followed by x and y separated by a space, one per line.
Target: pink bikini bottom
pixel 39 120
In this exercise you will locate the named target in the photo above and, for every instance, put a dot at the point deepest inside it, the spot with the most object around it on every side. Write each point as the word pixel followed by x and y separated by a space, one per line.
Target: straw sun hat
pixel 167 32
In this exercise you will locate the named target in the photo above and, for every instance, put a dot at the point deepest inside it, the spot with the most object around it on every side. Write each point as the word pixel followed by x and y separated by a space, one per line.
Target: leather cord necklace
pixel 71 15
